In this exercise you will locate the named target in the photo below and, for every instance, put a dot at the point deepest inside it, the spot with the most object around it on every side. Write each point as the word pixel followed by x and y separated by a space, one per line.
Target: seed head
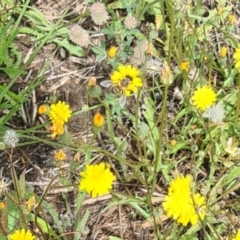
pixel 10 138
pixel 4 183
pixel 154 67
pixel 79 36
pixel 99 13
pixel 139 52
pixel 215 113
pixel 130 22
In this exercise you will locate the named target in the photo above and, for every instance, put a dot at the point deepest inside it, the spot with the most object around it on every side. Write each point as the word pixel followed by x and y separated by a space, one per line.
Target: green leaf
pixel 72 49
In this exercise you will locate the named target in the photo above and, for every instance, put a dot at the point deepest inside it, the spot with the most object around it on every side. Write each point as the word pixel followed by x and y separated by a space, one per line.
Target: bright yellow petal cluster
pixel 112 52
pixel 30 203
pixel 129 73
pixel 21 235
pixel 237 237
pixel 184 66
pixel 236 57
pixel 96 179
pixel 60 112
pixel 181 205
pixel 203 97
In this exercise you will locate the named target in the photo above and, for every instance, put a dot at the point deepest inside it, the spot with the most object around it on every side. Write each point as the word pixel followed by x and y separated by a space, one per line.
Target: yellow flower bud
pixel 223 51
pixel 112 52
pixel 98 120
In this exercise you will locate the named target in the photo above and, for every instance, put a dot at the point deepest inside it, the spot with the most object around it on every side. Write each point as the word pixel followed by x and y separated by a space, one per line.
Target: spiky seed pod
pixel 130 22
pixel 99 13
pixel 79 36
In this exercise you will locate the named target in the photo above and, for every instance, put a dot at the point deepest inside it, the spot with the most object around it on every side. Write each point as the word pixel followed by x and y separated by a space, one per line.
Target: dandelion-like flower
pixel 98 120
pixel 22 235
pixel 184 66
pixel 10 138
pixel 99 13
pixel 60 112
pixel 60 155
pixel 112 52
pixel 236 57
pixel 203 97
pixel 79 36
pixel 97 179
pixel 215 113
pixel 181 205
pixel 154 67
pixel 130 22
pixel 127 77
pixel 237 237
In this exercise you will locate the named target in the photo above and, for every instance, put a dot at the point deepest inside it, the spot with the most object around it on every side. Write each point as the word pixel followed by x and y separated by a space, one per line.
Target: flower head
pixel 184 66
pixel 30 203
pixel 21 235
pixel 203 97
pixel 223 51
pixel 236 57
pixel 154 67
pixel 130 22
pixel 10 138
pixel 181 205
pixel 4 183
pixel 127 77
pixel 112 52
pixel 60 155
pixel 98 120
pixel 215 113
pixel 231 19
pixel 42 109
pixel 57 129
pixel 237 237
pixel 79 36
pixel 99 13
pixel 60 112
pixel 96 179
pixel 2 205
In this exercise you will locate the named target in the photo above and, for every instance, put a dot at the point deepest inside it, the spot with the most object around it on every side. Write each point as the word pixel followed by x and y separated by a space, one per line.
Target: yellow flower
pixel 60 112
pixel 236 57
pixel 60 155
pixel 97 179
pixel 57 129
pixel 2 205
pixel 203 97
pixel 43 109
pixel 237 237
pixel 112 52
pixel 184 66
pixel 127 77
pixel 173 142
pixel 231 19
pixel 98 120
pixel 30 203
pixel 21 235
pixel 223 51
pixel 181 205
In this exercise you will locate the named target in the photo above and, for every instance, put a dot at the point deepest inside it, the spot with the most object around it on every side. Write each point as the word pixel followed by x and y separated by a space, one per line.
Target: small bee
pixel 117 89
